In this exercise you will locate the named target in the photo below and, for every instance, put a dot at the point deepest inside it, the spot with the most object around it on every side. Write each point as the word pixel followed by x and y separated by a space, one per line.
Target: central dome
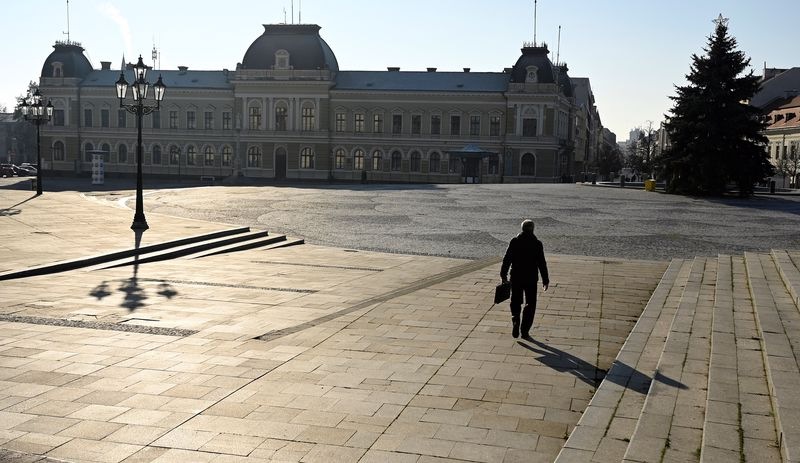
pixel 300 43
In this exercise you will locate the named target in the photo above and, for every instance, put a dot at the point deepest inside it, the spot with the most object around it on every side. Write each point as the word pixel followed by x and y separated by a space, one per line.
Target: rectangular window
pixel 455 125
pixel 474 126
pixel 226 120
pixel 377 123
pixel 191 121
pixel 358 122
pixel 341 123
pixel 87 118
pixel 416 124
pixel 122 118
pixel 173 119
pixel 309 119
pixel 529 127
pixel 226 156
pixel 156 120
pixel 397 123
pixel 280 118
pixel 208 120
pixel 494 126
pixel 254 116
pixel 58 117
pixel 436 124
pixel 105 116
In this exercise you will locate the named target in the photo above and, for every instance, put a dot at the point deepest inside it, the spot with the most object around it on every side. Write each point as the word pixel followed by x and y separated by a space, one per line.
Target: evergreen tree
pixel 716 137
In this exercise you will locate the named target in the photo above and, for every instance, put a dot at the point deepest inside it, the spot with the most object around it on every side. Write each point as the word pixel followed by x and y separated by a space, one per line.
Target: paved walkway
pixel 304 353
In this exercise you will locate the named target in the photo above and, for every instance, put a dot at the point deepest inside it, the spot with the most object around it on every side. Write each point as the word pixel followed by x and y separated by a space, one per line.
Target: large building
pixel 288 112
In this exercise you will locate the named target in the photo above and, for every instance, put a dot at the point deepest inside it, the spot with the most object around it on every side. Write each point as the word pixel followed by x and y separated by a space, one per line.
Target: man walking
pixel 525 257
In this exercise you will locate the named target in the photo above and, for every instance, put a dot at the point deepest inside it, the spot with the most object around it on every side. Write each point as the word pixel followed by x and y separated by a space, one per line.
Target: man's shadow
pixel 622 374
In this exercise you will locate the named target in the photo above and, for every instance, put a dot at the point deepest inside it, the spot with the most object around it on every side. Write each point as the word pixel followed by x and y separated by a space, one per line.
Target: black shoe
pixel 515 329
pixel 527 337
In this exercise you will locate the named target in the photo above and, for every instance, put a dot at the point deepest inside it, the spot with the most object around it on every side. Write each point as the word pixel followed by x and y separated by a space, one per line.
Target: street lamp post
pixel 35 112
pixel 139 89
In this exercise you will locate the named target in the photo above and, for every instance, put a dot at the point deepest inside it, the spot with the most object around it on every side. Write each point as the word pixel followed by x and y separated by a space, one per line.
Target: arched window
pixel 281 59
pixel 208 156
pixel 339 158
pixel 106 152
pixel 377 158
pixel 306 158
pixel 358 159
pixel 191 155
pixel 58 151
pixel 397 160
pixel 528 165
pixel 226 155
pixel 254 156
pixel 174 155
pixel 435 163
pixel 87 156
pixel 122 154
pixel 280 117
pixel 415 161
pixel 156 155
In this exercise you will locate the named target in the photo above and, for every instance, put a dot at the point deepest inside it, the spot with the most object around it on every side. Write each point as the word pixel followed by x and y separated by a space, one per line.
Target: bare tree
pixel 784 168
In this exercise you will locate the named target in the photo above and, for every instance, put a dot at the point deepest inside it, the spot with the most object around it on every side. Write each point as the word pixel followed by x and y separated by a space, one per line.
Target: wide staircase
pixel 708 374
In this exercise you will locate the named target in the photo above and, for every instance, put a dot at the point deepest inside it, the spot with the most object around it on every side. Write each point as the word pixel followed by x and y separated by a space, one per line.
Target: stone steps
pixel 671 411
pixel 709 372
pixel 609 420
pixel 778 321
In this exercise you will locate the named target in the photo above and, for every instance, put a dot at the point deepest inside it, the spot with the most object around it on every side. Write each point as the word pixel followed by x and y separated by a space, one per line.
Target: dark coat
pixel 525 257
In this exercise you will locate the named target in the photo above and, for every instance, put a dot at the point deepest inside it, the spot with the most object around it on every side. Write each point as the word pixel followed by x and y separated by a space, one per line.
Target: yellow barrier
pixel 650 185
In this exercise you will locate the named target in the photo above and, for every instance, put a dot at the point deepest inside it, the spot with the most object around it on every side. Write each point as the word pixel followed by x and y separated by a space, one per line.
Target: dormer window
pixel 58 69
pixel 532 74
pixel 281 59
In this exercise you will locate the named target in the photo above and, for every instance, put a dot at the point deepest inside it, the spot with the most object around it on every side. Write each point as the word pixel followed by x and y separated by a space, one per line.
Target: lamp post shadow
pixel 620 373
pixel 134 294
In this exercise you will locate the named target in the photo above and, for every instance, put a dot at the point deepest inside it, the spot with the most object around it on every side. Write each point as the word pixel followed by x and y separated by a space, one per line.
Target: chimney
pixel 466 69
pixel 183 69
pixel 105 65
pixel 393 69
pixel 431 69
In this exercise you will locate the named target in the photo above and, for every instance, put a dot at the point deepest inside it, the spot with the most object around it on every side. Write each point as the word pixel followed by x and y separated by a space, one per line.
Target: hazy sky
pixel 633 51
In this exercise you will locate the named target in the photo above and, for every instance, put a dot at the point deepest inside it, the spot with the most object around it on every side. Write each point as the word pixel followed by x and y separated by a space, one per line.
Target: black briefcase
pixel 502 292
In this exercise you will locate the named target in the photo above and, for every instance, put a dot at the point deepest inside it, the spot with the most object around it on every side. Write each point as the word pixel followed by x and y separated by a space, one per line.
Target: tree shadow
pixel 620 373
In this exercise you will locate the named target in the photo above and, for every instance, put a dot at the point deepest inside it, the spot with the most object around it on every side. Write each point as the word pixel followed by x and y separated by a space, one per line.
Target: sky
pixel 633 51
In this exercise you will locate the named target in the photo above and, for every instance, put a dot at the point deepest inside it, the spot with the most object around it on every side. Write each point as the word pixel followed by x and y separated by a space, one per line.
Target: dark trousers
pixel 528 288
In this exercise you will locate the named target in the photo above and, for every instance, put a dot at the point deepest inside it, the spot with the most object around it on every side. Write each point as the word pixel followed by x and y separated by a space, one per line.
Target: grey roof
pixel 307 50
pixel 780 86
pixel 534 56
pixel 422 81
pixel 172 79
pixel 70 54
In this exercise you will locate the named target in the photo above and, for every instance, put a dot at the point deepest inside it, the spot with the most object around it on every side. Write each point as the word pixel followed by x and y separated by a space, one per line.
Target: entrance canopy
pixel 471 152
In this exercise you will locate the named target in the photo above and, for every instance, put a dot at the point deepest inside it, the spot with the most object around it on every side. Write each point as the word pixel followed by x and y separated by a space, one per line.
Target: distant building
pixel 588 127
pixel 779 100
pixel 288 112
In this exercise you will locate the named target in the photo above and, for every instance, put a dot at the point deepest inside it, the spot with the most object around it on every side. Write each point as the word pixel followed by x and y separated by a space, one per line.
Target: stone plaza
pixel 364 330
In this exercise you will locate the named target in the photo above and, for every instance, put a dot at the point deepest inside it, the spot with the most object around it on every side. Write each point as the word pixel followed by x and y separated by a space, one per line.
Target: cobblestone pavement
pixel 474 221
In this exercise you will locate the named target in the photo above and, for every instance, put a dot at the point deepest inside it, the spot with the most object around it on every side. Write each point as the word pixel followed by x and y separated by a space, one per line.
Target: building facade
pixel 779 101
pixel 288 112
